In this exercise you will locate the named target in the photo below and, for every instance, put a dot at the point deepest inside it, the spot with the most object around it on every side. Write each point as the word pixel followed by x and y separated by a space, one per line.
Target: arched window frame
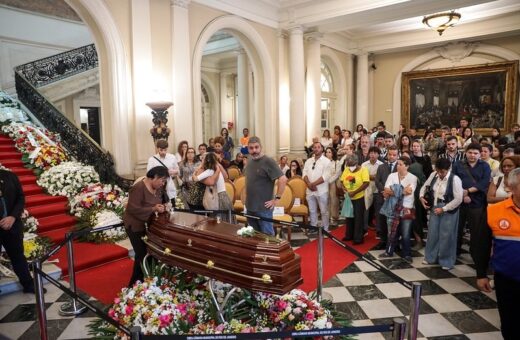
pixel 328 96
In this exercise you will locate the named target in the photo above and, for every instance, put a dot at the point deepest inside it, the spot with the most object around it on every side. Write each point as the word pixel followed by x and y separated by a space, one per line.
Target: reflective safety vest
pixel 504 221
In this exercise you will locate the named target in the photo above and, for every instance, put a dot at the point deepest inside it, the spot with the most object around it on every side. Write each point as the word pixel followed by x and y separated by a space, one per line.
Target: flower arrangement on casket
pixel 98 195
pixel 174 301
pixel 67 179
pixel 101 217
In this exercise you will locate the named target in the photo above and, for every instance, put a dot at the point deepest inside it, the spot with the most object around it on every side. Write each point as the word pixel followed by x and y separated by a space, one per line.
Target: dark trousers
pixel 12 240
pixel 140 252
pixel 355 225
pixel 508 300
pixel 421 220
pixel 476 220
pixel 381 226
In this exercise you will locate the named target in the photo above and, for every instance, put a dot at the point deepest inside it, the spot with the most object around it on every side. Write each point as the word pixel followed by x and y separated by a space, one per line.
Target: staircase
pixel 102 269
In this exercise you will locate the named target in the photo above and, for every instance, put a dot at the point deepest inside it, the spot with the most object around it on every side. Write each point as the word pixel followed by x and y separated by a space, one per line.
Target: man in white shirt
pixel 316 173
pixel 372 164
pixel 169 161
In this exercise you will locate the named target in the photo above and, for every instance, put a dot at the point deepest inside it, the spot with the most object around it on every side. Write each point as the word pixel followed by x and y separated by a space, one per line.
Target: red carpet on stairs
pixel 335 258
pixel 102 269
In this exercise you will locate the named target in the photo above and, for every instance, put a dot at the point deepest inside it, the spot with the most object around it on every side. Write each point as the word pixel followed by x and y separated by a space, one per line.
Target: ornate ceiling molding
pixel 456 51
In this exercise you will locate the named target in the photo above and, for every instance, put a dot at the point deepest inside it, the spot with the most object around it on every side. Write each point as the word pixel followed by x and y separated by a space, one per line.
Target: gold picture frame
pixel 486 94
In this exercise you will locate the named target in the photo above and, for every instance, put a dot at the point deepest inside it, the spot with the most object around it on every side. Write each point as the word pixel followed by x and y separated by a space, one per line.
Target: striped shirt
pixel 459 156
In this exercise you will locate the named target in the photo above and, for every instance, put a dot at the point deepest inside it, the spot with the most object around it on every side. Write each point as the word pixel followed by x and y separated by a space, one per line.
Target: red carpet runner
pixel 335 258
pixel 102 269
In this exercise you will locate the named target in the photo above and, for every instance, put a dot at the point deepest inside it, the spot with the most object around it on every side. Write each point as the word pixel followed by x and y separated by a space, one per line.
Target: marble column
pixel 182 128
pixel 242 93
pixel 284 110
pixel 297 90
pixel 313 94
pixel 362 89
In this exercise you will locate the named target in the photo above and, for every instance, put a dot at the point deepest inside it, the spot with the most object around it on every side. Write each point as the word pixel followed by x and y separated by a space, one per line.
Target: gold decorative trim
pixel 209 264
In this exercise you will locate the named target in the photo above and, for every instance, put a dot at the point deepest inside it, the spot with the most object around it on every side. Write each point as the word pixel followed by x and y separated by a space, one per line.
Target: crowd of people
pixel 400 185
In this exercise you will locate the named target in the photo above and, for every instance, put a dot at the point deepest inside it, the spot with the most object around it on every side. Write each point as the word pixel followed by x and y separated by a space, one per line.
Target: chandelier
pixel 441 21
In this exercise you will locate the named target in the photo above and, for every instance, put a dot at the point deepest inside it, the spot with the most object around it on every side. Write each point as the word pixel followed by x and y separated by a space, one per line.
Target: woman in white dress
pixel 326 139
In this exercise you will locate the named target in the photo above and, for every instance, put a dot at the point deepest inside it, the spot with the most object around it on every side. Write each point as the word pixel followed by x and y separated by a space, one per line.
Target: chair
pixel 299 188
pixel 230 189
pixel 233 172
pixel 286 201
pixel 239 184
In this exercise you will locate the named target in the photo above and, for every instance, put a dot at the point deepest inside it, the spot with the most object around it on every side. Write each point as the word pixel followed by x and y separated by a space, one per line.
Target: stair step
pixel 6 141
pixel 11 163
pixel 9 155
pixel 32 189
pixel 7 148
pixel 22 171
pixel 41 199
pixel 48 209
pixel 50 223
pixel 87 255
pixel 28 179
pixel 56 236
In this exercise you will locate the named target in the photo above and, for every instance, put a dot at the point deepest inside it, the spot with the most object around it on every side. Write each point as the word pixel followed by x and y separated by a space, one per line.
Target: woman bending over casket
pixel 145 198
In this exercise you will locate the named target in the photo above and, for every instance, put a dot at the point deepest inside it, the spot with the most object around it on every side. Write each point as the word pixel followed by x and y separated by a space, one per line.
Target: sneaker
pixel 385 255
pixel 446 268
pixel 408 259
pixel 426 262
pixel 378 237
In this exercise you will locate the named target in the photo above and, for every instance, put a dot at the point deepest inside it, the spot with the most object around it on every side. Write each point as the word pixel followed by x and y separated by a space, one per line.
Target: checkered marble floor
pixel 451 306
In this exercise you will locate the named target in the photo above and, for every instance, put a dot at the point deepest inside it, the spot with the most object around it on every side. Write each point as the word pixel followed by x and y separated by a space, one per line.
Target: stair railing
pixel 77 142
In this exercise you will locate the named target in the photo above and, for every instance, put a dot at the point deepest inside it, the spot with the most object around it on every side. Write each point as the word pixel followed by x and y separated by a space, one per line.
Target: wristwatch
pixel 277 197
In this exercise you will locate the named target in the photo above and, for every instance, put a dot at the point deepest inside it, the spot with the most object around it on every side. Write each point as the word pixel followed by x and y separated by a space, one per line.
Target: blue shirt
pixel 479 178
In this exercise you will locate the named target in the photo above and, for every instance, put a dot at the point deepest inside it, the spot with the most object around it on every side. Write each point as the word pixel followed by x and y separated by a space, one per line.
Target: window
pixel 328 97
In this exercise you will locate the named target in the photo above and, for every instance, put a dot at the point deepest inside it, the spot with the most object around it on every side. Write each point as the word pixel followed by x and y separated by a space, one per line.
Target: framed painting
pixel 487 95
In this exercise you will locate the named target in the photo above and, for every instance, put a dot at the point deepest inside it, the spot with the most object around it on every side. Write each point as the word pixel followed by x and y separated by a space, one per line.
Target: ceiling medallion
pixel 441 21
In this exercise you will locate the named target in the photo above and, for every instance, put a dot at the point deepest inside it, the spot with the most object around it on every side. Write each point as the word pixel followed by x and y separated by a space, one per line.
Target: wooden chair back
pixel 239 183
pixel 233 172
pixel 299 187
pixel 230 190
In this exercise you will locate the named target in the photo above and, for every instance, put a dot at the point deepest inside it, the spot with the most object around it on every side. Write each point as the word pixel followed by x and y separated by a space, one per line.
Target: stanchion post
pixel 415 304
pixel 73 307
pixel 320 263
pixel 40 299
pixel 399 329
pixel 135 333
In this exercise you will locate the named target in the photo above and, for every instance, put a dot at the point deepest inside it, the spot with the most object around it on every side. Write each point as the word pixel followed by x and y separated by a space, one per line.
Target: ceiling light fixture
pixel 441 21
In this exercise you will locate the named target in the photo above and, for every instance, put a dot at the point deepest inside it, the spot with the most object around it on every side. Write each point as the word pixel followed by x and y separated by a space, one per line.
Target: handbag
pixel 428 196
pixel 195 193
pixel 408 214
pixel 210 199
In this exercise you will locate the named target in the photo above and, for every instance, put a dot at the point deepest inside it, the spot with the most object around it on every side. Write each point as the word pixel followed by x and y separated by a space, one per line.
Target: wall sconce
pixel 159 113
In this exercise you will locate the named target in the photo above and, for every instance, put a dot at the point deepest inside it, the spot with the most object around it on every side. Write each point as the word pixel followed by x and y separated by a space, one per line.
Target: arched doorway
pixel 264 103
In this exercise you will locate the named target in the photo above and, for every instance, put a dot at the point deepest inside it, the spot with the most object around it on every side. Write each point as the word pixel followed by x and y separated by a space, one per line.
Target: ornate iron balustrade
pixel 48 70
pixel 75 140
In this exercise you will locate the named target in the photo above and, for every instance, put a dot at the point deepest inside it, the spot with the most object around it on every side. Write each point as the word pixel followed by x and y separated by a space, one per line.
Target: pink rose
pixel 117 300
pixel 309 316
pixel 129 309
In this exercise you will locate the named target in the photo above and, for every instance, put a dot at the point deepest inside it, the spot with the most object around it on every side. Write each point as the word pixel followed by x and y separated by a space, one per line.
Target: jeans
pixel 441 245
pixel 322 202
pixel 405 229
pixel 261 225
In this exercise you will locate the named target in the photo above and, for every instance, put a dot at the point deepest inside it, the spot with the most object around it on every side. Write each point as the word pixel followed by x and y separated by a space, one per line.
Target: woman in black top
pixel 422 158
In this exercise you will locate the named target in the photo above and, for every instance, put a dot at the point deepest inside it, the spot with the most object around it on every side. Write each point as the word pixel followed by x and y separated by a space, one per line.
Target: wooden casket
pixel 203 246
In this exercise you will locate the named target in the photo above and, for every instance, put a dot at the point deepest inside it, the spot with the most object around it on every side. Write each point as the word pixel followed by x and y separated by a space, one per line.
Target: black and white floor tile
pixel 451 306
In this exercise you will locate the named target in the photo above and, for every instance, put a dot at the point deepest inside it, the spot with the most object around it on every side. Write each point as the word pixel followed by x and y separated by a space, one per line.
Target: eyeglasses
pixel 313 165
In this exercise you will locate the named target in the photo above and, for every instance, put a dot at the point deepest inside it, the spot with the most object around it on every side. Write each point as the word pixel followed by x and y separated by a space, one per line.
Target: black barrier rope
pixel 278 335
pixel 369 260
pixel 87 304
